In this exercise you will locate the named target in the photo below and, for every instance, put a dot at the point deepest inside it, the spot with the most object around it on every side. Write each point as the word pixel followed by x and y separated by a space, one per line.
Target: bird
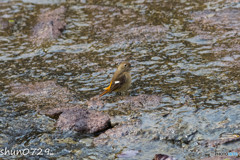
pixel 121 79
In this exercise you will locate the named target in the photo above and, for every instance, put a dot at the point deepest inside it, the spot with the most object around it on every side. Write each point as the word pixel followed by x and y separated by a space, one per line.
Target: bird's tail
pixel 106 91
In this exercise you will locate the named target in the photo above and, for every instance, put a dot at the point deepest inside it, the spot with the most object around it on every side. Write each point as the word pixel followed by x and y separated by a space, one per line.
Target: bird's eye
pixel 125 65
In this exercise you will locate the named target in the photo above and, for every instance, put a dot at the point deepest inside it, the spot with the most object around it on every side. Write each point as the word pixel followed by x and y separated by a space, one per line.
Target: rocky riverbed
pixel 57 56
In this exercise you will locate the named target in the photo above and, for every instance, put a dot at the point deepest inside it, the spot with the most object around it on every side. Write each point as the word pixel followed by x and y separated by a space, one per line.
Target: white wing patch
pixel 116 82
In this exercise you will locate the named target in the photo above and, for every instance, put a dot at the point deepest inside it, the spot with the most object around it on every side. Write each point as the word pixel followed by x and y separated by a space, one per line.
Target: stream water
pixel 172 55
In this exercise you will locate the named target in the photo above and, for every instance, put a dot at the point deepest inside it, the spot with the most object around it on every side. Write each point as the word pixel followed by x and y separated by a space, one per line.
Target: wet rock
pixel 179 132
pixel 46 95
pixel 49 26
pixel 80 119
pixel 55 112
pixel 142 101
pixel 42 95
pixel 117 134
pixel 163 157
pixel 126 129
pixel 173 129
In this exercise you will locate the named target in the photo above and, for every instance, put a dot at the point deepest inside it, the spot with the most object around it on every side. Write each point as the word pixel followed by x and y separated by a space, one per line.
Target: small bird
pixel 121 80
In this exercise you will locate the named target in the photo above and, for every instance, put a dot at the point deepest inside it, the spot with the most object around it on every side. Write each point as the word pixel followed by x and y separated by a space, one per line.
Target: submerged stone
pixel 49 26
pixel 42 95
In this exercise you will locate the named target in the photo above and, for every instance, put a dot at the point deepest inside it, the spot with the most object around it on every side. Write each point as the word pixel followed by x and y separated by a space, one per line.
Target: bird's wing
pixel 118 82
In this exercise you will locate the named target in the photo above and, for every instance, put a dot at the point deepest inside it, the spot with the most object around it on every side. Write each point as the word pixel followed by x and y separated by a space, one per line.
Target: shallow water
pixel 200 92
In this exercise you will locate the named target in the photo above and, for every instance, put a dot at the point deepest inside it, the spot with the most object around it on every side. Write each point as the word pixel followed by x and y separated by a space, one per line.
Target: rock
pixel 54 113
pixel 42 95
pixel 139 102
pixel 143 101
pixel 49 26
pixel 125 130
pixel 118 134
pixel 163 157
pixel 80 119
pixel 52 100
